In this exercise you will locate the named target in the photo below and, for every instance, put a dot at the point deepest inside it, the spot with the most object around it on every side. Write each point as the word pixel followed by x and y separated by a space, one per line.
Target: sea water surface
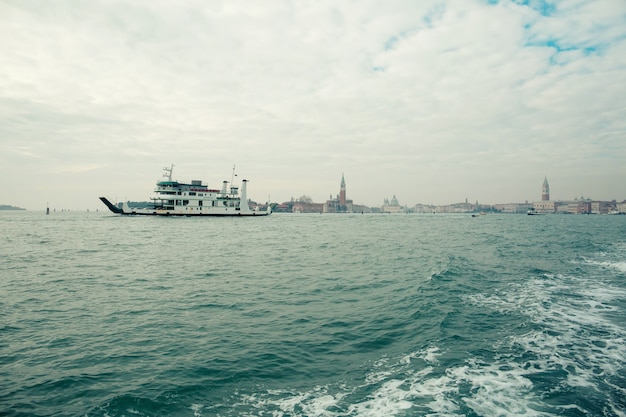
pixel 312 315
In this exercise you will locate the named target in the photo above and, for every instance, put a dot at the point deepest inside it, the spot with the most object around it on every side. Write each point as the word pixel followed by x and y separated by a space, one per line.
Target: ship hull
pixel 188 212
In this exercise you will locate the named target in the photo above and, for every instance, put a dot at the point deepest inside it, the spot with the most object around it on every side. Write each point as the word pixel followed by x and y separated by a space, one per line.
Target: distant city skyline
pixel 340 203
pixel 433 101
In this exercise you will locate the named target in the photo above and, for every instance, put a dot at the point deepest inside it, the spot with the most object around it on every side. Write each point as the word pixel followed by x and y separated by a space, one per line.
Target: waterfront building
pixel 424 208
pixel 514 208
pixel 603 207
pixel 300 207
pixel 581 206
pixel 545 206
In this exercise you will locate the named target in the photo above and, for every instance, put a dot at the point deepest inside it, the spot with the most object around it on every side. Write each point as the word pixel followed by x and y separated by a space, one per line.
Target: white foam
pixel 430 355
pixel 617 265
pixel 576 336
pixel 314 405
pixel 197 409
pixel 496 393
pixel 388 400
pixel 380 373
pixel 612 260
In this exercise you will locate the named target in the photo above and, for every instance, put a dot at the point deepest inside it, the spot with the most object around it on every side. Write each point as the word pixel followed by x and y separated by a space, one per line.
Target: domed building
pixel 392 206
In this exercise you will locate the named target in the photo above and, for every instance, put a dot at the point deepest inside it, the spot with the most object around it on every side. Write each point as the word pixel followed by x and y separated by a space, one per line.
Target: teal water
pixel 312 315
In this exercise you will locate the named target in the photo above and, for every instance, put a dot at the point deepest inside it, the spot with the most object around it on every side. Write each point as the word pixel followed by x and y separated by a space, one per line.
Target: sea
pixel 312 315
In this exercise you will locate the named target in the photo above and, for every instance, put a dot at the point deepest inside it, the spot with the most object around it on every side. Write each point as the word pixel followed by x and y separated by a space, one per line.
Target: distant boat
pixel 534 212
pixel 173 198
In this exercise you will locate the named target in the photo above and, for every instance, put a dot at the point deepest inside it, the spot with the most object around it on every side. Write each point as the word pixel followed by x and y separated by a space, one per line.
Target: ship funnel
pixel 244 207
pixel 224 187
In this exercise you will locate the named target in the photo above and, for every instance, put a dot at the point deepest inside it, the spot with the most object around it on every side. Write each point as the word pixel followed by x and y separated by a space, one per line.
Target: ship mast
pixel 168 172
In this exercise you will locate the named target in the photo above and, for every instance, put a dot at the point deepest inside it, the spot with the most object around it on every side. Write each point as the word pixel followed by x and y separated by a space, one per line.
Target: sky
pixel 433 101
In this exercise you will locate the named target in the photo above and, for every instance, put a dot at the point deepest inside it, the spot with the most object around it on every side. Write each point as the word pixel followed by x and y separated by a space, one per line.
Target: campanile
pixel 342 192
pixel 545 190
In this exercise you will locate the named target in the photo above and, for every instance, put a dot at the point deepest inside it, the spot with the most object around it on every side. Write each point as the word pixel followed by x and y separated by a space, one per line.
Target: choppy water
pixel 312 315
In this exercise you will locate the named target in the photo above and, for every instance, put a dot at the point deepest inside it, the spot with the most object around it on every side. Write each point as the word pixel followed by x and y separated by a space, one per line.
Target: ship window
pixel 185 202
pixel 200 203
pixel 192 193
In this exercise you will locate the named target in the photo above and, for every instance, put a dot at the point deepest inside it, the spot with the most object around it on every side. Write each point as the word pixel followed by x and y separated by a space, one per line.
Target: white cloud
pixel 440 100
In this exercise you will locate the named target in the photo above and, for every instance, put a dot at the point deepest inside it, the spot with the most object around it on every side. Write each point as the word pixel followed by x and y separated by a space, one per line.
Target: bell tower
pixel 342 191
pixel 545 190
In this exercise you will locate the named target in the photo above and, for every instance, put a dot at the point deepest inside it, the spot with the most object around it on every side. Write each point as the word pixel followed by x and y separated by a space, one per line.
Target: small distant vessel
pixel 534 212
pixel 173 198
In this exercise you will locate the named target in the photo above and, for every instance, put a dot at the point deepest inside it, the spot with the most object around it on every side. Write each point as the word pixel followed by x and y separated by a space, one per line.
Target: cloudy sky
pixel 434 101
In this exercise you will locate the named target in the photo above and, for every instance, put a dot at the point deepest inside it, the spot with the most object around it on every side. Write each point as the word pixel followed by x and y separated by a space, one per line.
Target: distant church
pixel 340 204
pixel 392 206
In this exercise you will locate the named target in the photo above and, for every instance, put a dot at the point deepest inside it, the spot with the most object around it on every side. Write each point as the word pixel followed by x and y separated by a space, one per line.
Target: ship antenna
pixel 232 178
pixel 168 172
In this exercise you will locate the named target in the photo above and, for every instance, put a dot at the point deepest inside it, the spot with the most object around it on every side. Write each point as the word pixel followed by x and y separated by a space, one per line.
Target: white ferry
pixel 173 198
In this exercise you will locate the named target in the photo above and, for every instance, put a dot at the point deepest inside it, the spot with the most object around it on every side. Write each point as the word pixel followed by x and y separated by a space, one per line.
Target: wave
pixel 566 360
